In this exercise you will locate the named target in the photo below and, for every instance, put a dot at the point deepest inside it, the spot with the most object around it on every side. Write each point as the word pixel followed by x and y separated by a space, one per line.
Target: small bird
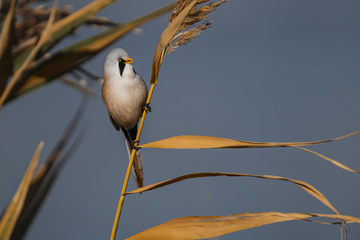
pixel 124 93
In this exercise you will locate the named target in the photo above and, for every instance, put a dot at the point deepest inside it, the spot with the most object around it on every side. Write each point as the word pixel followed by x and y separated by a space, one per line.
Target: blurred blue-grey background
pixel 266 71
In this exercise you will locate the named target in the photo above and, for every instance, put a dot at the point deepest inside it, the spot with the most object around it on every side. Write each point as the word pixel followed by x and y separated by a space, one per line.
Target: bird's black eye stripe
pixel 121 66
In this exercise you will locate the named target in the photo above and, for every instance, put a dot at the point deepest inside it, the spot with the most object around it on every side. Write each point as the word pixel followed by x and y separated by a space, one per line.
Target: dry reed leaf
pixel 305 186
pixel 29 59
pixel 76 54
pixel 63 27
pixel 66 25
pixel 45 168
pixel 45 176
pixel 78 86
pixel 12 212
pixel 329 159
pixel 206 142
pixel 6 42
pixel 201 227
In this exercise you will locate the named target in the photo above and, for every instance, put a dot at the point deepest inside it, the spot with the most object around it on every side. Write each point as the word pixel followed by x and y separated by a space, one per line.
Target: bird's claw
pixel 146 107
pixel 135 147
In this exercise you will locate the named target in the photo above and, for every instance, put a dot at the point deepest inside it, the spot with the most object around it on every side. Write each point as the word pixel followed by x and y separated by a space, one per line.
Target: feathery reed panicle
pixel 187 31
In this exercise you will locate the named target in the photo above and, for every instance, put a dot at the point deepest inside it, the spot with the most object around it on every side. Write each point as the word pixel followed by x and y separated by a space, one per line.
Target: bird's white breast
pixel 124 97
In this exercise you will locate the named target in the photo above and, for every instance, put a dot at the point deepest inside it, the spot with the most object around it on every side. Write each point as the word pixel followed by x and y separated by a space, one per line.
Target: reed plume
pixel 198 14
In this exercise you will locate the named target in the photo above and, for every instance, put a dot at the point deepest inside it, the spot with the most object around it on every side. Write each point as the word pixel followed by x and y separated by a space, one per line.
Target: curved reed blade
pixel 12 212
pixel 203 227
pixel 336 163
pixel 62 28
pixel 6 42
pixel 206 142
pixel 305 186
pixel 71 57
pixel 79 86
pixel 47 174
pixel 58 150
pixel 45 35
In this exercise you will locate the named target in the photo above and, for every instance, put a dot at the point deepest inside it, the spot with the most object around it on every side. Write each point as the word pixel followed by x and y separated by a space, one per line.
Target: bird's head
pixel 116 61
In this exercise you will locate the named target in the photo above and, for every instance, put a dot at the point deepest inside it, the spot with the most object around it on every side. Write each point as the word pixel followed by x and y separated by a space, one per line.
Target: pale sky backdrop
pixel 266 71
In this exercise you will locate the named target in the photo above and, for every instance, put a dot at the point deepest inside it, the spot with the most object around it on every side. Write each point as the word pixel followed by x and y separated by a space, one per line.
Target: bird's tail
pixel 137 167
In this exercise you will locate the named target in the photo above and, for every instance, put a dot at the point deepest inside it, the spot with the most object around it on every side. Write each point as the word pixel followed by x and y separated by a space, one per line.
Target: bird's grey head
pixel 118 58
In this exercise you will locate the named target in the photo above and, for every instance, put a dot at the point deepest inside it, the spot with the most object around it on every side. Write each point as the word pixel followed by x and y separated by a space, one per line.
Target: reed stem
pixel 127 175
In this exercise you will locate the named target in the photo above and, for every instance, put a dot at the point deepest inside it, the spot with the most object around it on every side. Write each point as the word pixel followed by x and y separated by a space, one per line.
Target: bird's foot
pixel 135 147
pixel 146 107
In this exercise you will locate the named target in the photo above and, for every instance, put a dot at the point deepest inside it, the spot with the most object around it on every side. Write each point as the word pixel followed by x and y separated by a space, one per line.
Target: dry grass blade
pixel 78 86
pixel 63 27
pixel 47 173
pixel 201 227
pixel 205 142
pixel 12 212
pixel 305 186
pixel 329 159
pixel 43 38
pixel 6 40
pixel 76 54
pixel 45 168
pixel 90 75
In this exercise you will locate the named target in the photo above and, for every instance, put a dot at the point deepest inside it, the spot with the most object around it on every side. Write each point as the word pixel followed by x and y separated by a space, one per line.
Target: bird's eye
pixel 119 59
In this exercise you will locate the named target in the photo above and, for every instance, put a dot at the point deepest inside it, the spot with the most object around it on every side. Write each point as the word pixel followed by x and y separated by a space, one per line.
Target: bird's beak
pixel 129 60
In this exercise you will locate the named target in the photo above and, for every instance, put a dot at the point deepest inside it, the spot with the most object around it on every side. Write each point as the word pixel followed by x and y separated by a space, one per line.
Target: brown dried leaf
pixel 45 35
pixel 6 42
pixel 12 212
pixel 305 186
pixel 78 86
pixel 205 142
pixel 45 176
pixel 329 159
pixel 201 227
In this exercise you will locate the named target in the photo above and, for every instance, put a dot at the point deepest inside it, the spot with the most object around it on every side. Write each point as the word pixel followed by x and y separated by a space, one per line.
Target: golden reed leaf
pixel 201 227
pixel 12 212
pixel 206 142
pixel 329 159
pixel 305 186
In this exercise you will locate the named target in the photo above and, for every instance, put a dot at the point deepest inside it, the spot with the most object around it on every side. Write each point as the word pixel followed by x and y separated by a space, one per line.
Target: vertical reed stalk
pixel 127 175
pixel 180 31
